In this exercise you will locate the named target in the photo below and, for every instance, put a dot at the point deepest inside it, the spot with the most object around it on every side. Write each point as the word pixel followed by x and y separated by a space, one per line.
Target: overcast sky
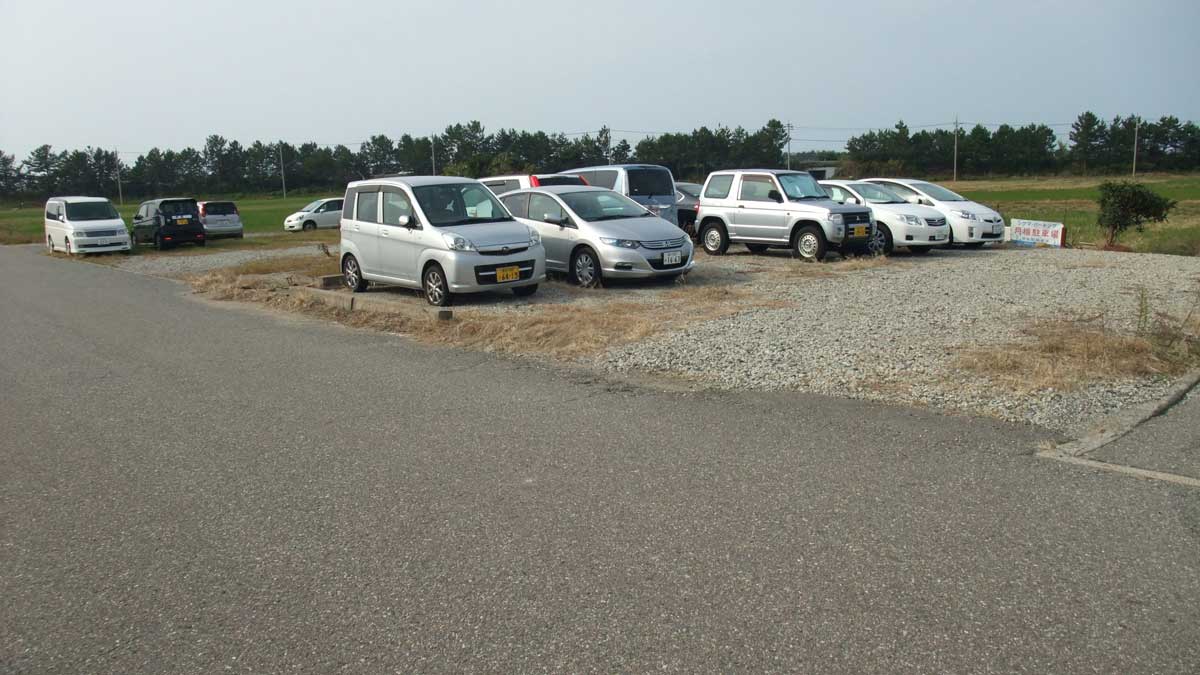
pixel 134 74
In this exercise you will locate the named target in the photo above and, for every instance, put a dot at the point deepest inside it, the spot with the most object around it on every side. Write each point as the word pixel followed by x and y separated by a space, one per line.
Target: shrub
pixel 1124 205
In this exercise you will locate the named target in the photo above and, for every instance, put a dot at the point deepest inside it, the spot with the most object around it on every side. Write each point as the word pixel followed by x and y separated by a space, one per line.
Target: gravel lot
pixel 889 333
pixel 178 265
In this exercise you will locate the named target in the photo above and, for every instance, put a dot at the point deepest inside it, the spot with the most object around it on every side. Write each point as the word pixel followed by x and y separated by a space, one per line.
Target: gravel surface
pixel 890 333
pixel 192 263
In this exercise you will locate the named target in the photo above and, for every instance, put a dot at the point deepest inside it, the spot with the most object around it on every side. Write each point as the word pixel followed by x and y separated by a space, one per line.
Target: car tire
pixel 241 236
pixel 67 245
pixel 974 244
pixel 919 250
pixel 309 226
pixel 809 244
pixel 714 238
pixel 881 241
pixel 525 291
pixel 352 275
pixel 433 282
pixel 757 248
pixel 133 242
pixel 950 239
pixel 585 268
pixel 159 244
pixel 202 242
pixel 50 244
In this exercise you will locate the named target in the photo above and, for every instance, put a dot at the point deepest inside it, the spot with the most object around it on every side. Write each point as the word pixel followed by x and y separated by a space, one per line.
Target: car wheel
pixel 809 243
pixel 585 268
pixel 352 275
pixel 714 239
pixel 67 245
pixel 202 242
pixel 310 225
pixel 437 292
pixel 525 291
pixel 159 244
pixel 757 248
pixel 50 243
pixel 974 244
pixel 881 241
pixel 919 250
pixel 950 239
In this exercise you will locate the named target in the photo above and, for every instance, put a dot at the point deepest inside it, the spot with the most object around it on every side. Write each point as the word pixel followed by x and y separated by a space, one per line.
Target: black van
pixel 167 222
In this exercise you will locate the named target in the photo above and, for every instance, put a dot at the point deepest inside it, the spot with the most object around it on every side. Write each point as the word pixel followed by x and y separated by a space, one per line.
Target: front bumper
pixel 912 235
pixel 101 244
pixel 294 226
pixel 473 272
pixel 642 263
pixel 971 231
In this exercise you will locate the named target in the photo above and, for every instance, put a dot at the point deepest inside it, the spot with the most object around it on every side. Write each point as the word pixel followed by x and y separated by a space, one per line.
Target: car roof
pixel 215 201
pixel 776 172
pixel 904 181
pixel 616 166
pixel 77 199
pixel 562 189
pixel 412 181
pixel 169 199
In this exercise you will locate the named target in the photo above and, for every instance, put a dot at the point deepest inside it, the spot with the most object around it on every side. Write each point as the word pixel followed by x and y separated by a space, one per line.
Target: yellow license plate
pixel 860 231
pixel 507 274
pixel 183 221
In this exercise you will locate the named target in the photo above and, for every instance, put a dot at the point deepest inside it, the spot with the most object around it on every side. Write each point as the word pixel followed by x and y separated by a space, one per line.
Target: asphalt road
pixel 194 487
pixel 1168 443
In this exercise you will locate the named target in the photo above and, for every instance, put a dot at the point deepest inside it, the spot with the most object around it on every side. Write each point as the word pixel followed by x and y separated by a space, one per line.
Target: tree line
pixel 225 166
pixel 1095 147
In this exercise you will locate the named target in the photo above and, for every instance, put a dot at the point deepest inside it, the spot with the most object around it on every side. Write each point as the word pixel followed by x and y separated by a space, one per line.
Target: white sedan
pixel 897 222
pixel 971 224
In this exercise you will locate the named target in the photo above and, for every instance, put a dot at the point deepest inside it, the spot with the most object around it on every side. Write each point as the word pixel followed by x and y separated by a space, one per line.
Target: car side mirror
pixel 554 220
pixel 774 196
pixel 62 217
pixel 404 221
pixel 851 200
pixel 913 199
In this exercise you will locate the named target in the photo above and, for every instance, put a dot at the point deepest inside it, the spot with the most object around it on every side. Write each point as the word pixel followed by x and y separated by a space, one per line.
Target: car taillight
pixel 534 182
pixel 202 211
pixel 583 180
pixel 696 207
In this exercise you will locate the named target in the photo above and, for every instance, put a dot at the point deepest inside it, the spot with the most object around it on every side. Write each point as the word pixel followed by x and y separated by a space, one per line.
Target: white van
pixel 440 234
pixel 84 225
pixel 650 185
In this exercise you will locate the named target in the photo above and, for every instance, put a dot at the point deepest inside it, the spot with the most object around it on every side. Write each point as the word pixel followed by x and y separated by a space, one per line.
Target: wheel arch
pixel 803 223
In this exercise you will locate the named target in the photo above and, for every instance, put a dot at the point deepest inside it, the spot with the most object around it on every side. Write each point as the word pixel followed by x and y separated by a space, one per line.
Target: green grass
pixel 25 225
pixel 1177 188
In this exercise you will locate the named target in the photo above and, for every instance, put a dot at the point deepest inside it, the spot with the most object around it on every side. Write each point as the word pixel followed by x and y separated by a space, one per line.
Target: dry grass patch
pixel 317 265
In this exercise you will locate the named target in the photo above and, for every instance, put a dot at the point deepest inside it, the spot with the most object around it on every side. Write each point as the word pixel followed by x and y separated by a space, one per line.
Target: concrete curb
pixel 336 300
pixel 361 303
pixel 329 281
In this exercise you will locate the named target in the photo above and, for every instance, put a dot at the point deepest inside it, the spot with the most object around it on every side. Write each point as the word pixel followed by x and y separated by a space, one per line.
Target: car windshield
pixel 312 206
pixel 179 207
pixel 875 194
pixel 939 193
pixel 689 189
pixel 459 204
pixel 91 211
pixel 650 182
pixel 801 186
pixel 597 205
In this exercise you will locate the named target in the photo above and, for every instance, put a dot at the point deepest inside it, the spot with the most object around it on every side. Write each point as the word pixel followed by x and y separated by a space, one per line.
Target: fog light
pixel 908 237
pixel 624 266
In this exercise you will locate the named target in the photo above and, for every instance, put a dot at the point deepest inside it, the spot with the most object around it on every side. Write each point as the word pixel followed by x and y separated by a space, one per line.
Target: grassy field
pixel 20 226
pixel 1067 200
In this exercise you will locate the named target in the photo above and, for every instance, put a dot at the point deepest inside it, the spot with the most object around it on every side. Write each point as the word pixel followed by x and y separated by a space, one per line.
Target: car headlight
pixel 535 237
pixel 457 242
pixel 621 243
pixel 966 215
pixel 835 219
pixel 911 220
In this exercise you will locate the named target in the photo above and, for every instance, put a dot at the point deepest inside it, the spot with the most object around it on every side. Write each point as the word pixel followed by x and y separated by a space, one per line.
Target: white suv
pixel 770 208
pixel 897 222
pixel 443 235
pixel 971 224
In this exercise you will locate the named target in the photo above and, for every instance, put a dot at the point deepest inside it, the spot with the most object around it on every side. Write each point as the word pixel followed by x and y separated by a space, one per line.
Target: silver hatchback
pixel 592 233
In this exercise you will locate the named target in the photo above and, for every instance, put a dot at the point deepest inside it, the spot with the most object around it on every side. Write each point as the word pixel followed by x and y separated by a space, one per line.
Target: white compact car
pixel 441 234
pixel 897 222
pixel 84 225
pixel 971 224
pixel 322 213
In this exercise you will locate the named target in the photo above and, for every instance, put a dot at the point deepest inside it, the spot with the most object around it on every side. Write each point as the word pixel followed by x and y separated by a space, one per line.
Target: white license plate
pixel 997 229
pixel 673 257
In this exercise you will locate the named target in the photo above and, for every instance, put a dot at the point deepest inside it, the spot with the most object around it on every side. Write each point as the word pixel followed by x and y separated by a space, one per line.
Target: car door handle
pixel 741 206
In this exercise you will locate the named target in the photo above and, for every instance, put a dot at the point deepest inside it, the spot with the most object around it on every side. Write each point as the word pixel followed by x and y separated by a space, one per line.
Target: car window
pixel 835 192
pixel 900 189
pixel 560 179
pixel 604 179
pixel 52 210
pixel 650 182
pixel 395 204
pixel 595 205
pixel 479 202
pixel 179 207
pixel 518 205
pixel 220 208
pixel 91 211
pixel 500 187
pixel 450 204
pixel 543 208
pixel 368 207
pixel 348 205
pixel 756 188
pixel 718 187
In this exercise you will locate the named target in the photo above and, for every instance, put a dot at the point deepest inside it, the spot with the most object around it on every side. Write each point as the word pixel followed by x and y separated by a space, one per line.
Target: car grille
pixel 858 218
pixel 99 245
pixel 993 219
pixel 657 263
pixel 990 235
pixel 486 274
pixel 97 233
pixel 664 243
pixel 935 222
pixel 506 251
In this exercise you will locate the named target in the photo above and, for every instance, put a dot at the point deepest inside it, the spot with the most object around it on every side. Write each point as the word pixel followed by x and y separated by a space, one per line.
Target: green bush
pixel 1124 205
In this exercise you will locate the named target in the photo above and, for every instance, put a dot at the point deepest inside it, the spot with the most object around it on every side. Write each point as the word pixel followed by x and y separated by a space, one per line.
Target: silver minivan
pixel 650 185
pixel 591 233
pixel 441 234
pixel 220 219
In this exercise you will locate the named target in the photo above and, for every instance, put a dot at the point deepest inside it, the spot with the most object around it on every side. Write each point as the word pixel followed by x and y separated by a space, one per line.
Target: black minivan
pixel 167 222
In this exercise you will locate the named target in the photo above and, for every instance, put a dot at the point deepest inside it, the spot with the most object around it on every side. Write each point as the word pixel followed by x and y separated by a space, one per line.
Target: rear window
pixel 499 187
pixel 604 179
pixel 718 187
pixel 650 182
pixel 179 207
pixel 689 189
pixel 220 208
pixel 560 179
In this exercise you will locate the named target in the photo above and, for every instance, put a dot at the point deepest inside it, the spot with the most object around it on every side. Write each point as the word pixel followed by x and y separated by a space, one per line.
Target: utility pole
pixel 789 151
pixel 1137 123
pixel 956 148
pixel 433 153
pixel 282 175
pixel 120 194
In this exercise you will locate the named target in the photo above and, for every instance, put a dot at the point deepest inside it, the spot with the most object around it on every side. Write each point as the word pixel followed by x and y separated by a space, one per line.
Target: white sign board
pixel 1035 232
